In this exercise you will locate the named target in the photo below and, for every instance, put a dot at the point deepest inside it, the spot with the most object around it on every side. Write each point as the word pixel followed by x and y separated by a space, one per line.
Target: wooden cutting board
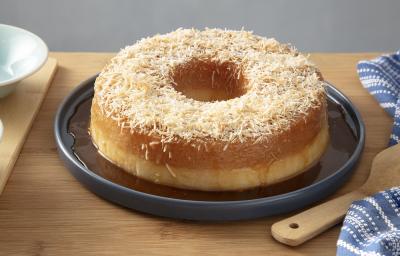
pixel 18 111
pixel 45 211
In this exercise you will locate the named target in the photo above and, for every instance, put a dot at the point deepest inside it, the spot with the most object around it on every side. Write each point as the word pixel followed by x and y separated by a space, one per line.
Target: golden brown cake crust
pixel 211 153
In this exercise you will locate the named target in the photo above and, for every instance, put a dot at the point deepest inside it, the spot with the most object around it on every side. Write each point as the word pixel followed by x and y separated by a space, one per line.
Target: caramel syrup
pixel 343 141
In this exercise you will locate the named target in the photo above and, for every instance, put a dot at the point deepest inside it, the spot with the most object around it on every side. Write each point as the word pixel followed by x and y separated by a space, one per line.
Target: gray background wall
pixel 310 25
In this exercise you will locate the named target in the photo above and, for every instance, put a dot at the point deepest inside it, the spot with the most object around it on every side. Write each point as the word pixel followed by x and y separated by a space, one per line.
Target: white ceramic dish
pixel 22 53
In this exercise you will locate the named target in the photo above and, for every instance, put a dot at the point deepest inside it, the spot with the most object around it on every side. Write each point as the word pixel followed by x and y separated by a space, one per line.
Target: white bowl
pixel 22 53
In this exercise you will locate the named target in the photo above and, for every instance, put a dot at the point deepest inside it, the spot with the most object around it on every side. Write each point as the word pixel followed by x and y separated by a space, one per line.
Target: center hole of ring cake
pixel 209 81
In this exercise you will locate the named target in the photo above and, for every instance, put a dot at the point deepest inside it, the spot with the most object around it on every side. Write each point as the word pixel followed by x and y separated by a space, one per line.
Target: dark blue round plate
pixel 197 209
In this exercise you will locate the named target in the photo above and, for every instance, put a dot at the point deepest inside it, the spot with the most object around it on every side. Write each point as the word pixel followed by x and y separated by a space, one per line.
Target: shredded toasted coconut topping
pixel 136 87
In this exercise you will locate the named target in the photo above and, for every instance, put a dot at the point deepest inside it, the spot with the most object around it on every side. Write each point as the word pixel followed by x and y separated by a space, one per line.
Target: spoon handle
pixel 302 227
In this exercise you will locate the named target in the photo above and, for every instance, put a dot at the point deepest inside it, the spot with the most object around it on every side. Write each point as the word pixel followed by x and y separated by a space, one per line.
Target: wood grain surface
pixel 18 111
pixel 45 211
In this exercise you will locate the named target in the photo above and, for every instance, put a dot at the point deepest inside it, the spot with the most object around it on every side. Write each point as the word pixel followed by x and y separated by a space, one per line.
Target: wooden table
pixel 45 211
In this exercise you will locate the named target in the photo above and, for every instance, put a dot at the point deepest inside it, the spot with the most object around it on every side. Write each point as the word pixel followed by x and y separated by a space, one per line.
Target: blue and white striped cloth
pixel 381 77
pixel 372 225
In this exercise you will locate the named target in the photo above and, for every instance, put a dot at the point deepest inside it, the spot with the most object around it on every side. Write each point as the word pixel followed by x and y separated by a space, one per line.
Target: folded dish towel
pixel 372 225
pixel 381 77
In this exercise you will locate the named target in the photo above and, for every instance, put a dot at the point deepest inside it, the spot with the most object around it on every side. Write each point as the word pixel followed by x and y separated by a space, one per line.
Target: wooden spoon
pixel 385 173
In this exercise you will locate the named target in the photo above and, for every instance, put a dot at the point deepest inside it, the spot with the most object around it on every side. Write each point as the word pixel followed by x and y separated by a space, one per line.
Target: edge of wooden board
pixel 38 85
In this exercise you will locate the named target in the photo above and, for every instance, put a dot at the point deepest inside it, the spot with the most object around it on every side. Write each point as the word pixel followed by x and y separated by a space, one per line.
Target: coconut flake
pixel 136 87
